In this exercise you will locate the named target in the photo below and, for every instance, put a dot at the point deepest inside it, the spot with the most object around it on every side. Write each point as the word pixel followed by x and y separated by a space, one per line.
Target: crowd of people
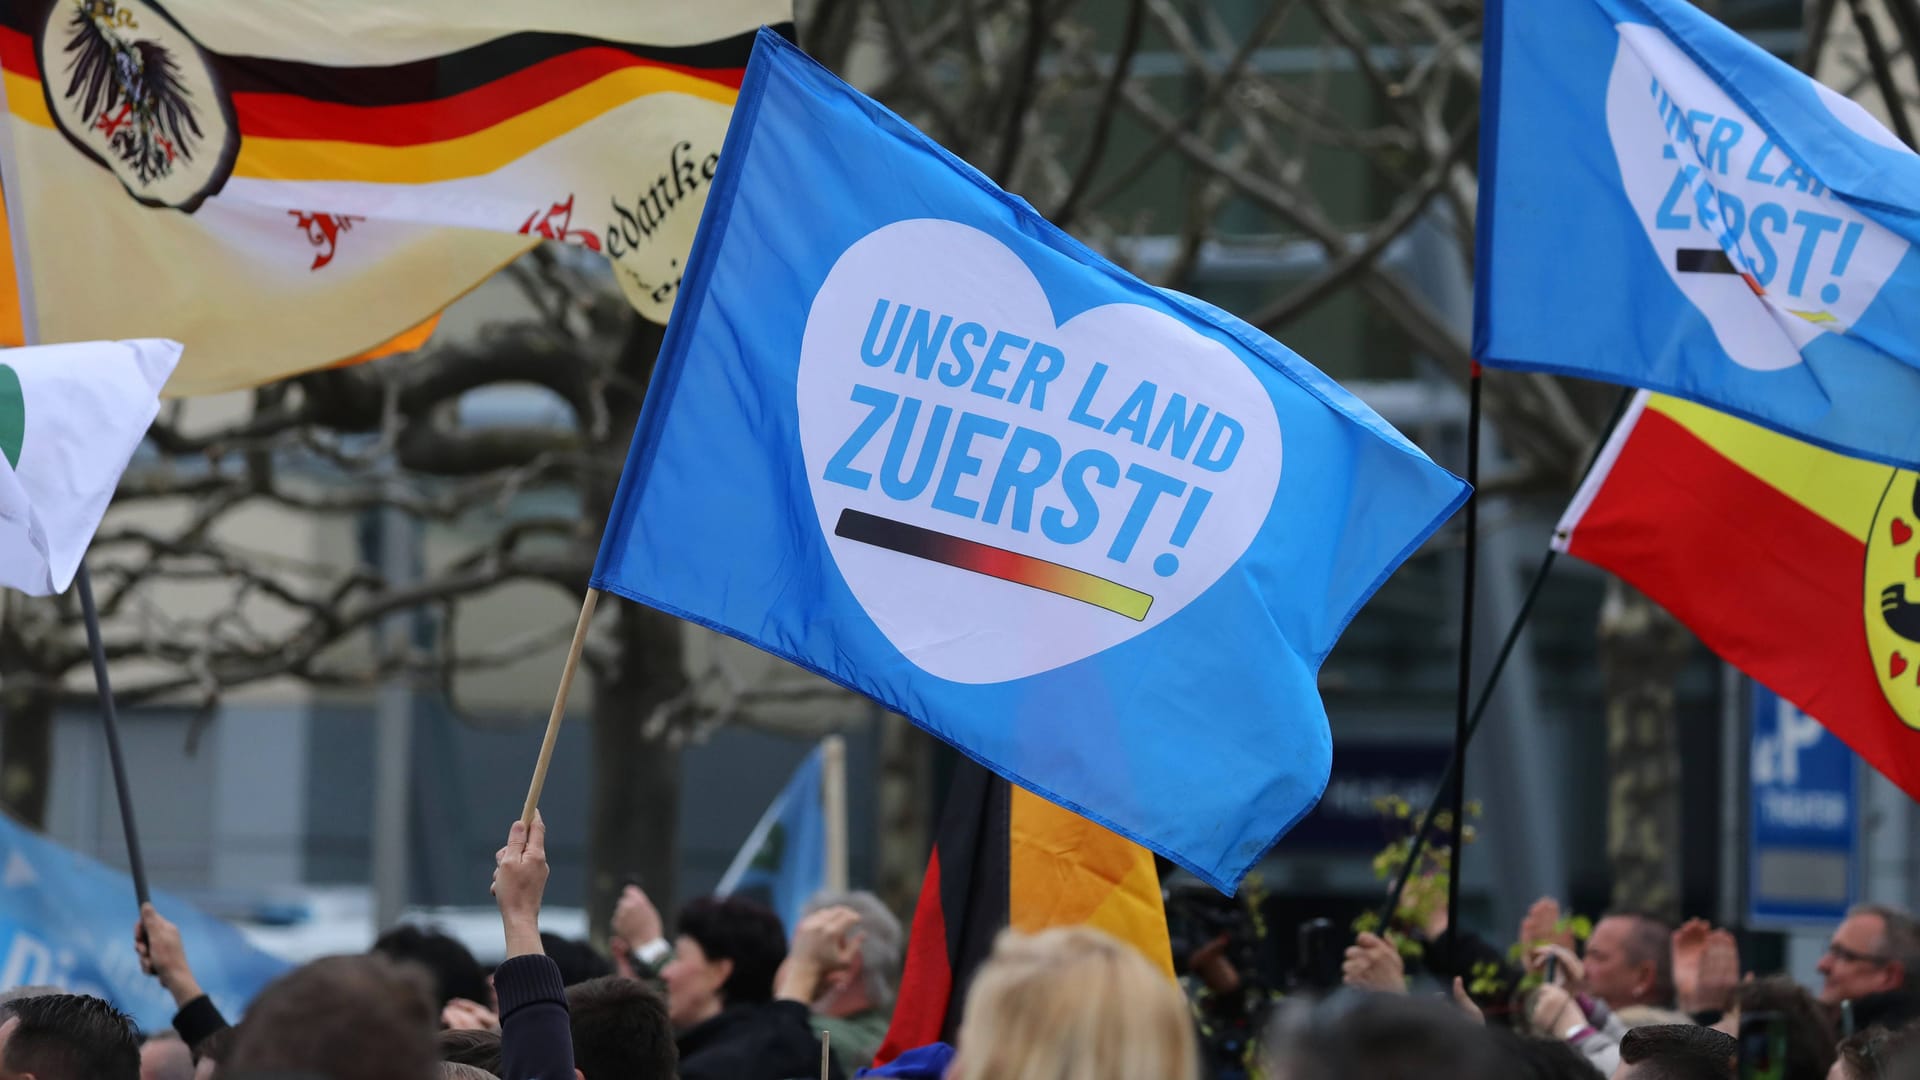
pixel 731 996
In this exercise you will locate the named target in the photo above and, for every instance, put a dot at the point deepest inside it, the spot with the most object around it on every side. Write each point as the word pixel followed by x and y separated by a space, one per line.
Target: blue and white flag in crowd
pixel 1665 204
pixel 784 861
pixel 68 921
pixel 909 435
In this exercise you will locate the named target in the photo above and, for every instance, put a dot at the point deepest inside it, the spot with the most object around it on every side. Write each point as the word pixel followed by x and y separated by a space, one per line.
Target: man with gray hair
pixel 1876 950
pixel 845 967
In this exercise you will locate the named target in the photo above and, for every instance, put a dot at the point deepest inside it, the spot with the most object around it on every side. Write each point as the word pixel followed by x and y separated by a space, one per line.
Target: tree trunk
pixel 635 817
pixel 26 751
pixel 905 793
pixel 1642 649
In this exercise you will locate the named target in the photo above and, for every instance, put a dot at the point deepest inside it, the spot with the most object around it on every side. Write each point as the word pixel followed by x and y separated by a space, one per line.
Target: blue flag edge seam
pixel 1492 45
pixel 673 350
pixel 708 234
pixel 1684 42
pixel 1659 386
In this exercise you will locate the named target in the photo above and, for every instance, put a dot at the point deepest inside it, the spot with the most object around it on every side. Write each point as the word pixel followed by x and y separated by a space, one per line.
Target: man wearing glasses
pixel 1872 952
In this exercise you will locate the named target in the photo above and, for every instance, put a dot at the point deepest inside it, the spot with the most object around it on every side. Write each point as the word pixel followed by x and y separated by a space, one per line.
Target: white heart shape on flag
pixel 1113 467
pixel 1765 252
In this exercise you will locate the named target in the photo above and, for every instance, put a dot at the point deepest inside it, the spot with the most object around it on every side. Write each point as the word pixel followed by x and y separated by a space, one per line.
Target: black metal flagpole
pixel 1450 779
pixel 1464 692
pixel 94 646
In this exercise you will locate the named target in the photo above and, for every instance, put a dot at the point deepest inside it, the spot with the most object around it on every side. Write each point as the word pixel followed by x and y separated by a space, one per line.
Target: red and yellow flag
pixel 282 185
pixel 1797 565
pixel 1004 857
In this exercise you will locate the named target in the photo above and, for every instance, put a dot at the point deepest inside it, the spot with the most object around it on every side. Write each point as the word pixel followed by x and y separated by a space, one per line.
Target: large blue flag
pixel 1665 204
pixel 66 920
pixel 909 435
pixel 784 861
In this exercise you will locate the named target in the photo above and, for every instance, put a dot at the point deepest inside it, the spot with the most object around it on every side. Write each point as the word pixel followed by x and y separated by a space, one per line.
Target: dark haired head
pixel 1810 1038
pixel 456 974
pixel 342 1017
pixel 71 1037
pixel 481 1049
pixel 1879 1054
pixel 747 933
pixel 620 1030
pixel 1677 1052
pixel 1381 1037
pixel 577 960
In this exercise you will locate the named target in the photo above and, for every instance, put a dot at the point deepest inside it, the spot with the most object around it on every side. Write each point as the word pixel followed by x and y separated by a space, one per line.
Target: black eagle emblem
pixel 131 92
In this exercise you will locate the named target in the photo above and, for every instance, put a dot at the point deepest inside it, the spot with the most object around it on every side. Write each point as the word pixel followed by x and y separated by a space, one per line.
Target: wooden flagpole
pixel 559 707
pixel 833 800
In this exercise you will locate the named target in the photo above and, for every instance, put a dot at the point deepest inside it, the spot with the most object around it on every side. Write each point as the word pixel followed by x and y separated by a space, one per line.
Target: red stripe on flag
pixel 1772 587
pixel 16 53
pixel 926 987
pixel 291 116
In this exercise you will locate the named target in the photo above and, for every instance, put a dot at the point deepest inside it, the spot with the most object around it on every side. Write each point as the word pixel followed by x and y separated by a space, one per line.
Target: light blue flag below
pixel 1665 204
pixel 783 862
pixel 1098 536
pixel 68 921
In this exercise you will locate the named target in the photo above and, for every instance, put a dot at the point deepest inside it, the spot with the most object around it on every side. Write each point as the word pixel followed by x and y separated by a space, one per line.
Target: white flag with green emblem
pixel 70 418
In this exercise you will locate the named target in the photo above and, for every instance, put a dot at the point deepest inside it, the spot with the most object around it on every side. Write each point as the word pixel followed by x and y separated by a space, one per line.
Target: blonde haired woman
pixel 1073 1004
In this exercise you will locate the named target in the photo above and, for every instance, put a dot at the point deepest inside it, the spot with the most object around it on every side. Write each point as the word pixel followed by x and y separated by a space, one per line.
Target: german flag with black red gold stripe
pixel 1004 857
pixel 353 166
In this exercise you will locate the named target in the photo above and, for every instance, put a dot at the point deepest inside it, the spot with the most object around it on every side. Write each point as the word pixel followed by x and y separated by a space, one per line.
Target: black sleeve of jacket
pixel 536 1038
pixel 198 1019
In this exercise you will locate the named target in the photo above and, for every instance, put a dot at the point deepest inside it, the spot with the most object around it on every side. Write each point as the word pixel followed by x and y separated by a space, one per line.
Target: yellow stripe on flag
pixel 25 100
pixel 469 155
pixel 1067 871
pixel 1843 490
pixel 13 331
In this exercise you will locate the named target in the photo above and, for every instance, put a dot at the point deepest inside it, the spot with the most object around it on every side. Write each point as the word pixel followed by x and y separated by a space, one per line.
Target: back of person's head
pixel 164 1056
pixel 1380 1037
pixel 453 1070
pixel 481 1049
pixel 881 942
pixel 1526 1058
pixel 1901 944
pixel 620 1030
pixel 1810 1037
pixel 343 1017
pixel 1677 1052
pixel 456 974
pixel 70 1037
pixel 743 931
pixel 577 960
pixel 1879 1054
pixel 1073 1004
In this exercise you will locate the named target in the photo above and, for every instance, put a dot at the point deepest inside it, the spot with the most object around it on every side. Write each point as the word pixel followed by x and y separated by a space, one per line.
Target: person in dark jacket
pixel 536 1035
pixel 720 997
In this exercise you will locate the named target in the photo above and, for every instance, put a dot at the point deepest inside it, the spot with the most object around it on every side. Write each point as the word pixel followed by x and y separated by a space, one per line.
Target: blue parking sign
pixel 1803 820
